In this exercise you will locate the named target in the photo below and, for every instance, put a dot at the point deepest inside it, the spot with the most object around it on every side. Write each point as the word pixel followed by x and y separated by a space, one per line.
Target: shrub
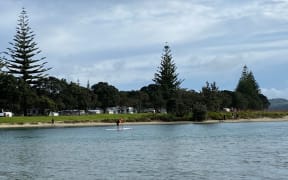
pixel 199 112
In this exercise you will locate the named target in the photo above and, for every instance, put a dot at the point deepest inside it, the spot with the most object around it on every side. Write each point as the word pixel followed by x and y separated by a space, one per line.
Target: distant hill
pixel 278 104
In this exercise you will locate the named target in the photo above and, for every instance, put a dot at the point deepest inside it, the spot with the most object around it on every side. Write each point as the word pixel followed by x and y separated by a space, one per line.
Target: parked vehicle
pixel 53 114
pixel 5 114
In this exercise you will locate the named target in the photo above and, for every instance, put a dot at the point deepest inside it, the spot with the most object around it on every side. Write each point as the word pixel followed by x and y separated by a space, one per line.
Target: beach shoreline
pixel 92 124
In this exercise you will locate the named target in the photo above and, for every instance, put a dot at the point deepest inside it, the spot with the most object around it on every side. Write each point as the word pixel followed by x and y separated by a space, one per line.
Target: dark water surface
pixel 207 151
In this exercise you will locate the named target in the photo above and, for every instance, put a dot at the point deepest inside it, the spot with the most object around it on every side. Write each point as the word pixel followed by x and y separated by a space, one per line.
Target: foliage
pixel 247 83
pixel 155 97
pixel 248 94
pixel 226 99
pixel 10 93
pixel 261 114
pixel 66 96
pixel 108 95
pixel 23 52
pixel 199 112
pixel 211 96
pixel 2 64
pixel 167 78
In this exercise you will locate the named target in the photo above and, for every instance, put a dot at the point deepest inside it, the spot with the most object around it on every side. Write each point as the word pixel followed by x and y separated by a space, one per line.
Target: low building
pixel 149 110
pixel 113 110
pixel 120 110
pixel 74 112
pixel 95 111
pixel 53 113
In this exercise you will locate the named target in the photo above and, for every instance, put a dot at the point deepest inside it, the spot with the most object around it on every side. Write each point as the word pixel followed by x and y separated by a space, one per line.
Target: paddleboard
pixel 118 129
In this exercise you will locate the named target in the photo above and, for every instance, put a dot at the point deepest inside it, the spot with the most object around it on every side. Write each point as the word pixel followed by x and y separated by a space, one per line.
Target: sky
pixel 121 41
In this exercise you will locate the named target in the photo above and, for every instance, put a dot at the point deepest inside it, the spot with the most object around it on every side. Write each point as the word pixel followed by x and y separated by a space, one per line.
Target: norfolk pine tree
pixel 167 78
pixel 249 89
pixel 22 61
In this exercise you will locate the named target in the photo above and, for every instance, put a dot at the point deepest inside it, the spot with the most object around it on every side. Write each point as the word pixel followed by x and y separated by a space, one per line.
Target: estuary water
pixel 188 151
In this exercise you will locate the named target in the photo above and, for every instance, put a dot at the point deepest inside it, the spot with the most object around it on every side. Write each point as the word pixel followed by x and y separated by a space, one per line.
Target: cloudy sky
pixel 121 41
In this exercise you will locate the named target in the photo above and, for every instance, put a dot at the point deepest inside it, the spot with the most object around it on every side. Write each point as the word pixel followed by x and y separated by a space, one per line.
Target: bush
pixel 199 112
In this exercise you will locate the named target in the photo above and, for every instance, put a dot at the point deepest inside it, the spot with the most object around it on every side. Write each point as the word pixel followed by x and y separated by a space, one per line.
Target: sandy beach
pixel 91 124
pixel 86 124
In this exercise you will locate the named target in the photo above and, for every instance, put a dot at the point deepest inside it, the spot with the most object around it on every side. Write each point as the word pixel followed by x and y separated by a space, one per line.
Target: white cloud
pixel 276 9
pixel 275 93
pixel 60 41
pixel 115 71
pixel 125 25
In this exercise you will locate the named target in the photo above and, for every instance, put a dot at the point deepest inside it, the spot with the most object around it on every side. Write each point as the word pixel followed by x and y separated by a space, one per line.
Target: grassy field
pixel 76 119
pixel 141 117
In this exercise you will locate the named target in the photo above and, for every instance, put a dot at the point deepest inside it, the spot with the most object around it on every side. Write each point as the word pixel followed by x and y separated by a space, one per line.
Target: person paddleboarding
pixel 118 122
pixel 120 125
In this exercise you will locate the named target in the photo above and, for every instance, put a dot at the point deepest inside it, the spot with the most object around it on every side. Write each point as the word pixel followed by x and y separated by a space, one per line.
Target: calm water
pixel 211 151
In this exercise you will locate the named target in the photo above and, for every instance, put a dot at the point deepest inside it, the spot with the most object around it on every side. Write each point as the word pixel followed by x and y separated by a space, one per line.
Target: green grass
pixel 246 115
pixel 76 119
pixel 261 114
pixel 141 117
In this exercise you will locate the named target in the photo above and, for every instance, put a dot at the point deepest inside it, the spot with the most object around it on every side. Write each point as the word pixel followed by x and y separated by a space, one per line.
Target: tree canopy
pixel 211 96
pixel 107 94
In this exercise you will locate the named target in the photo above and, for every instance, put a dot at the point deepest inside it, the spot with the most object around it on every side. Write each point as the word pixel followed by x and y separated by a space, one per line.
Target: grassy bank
pixel 77 119
pixel 142 117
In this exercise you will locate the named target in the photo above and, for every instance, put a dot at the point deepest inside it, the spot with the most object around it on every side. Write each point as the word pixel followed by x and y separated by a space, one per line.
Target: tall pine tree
pixel 167 78
pixel 247 84
pixel 23 61
pixel 249 92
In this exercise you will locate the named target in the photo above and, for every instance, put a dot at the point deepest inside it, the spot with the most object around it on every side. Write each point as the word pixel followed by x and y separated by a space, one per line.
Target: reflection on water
pixel 219 151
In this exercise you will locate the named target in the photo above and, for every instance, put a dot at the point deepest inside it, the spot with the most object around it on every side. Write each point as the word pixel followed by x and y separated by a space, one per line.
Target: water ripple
pixel 224 151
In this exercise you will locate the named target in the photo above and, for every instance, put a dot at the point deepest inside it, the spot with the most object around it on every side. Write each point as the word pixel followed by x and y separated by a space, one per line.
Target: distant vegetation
pixel 25 86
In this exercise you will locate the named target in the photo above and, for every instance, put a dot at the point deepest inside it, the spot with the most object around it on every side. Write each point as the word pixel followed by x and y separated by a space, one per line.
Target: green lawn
pixel 141 117
pixel 74 119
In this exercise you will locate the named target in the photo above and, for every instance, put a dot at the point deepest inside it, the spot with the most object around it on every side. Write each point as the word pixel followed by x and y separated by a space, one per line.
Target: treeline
pixel 24 85
pixel 52 94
